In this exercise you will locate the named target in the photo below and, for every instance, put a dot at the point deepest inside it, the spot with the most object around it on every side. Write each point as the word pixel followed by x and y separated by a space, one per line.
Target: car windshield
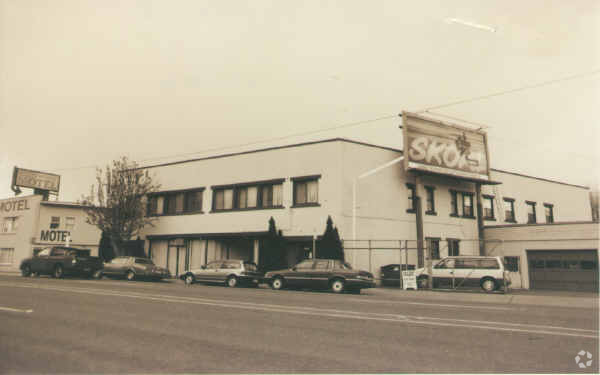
pixel 44 252
pixel 249 266
pixel 143 261
pixel 80 253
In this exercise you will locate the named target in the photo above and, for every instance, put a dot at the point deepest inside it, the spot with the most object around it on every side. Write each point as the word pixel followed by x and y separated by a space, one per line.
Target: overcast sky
pixel 83 82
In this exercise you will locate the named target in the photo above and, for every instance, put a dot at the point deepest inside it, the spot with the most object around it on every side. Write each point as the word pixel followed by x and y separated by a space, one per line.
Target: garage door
pixel 563 269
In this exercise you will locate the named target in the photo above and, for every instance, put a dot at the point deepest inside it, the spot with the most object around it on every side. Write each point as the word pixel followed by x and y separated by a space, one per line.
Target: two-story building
pixel 219 207
pixel 28 224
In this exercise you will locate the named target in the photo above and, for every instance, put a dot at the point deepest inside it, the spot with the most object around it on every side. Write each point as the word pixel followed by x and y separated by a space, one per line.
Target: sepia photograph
pixel 299 186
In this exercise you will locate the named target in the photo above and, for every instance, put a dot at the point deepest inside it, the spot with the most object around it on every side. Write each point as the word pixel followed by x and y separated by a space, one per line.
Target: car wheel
pixel 232 281
pixel 58 271
pixel 189 279
pixel 277 283
pixel 423 282
pixel 488 285
pixel 337 286
pixel 130 275
pixel 26 271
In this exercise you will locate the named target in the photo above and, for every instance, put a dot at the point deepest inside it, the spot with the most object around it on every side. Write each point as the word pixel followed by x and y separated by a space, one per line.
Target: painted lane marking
pixel 29 311
pixel 496 326
pixel 437 304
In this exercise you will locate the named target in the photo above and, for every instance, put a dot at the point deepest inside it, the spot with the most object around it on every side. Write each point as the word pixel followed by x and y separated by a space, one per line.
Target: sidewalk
pixel 588 300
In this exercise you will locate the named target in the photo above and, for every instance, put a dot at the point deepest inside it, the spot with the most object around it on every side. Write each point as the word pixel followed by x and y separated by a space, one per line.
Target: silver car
pixel 133 268
pixel 231 272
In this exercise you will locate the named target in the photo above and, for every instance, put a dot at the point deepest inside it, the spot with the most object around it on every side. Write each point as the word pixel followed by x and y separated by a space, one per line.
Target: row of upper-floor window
pixel 236 197
pixel 461 205
pixel 10 224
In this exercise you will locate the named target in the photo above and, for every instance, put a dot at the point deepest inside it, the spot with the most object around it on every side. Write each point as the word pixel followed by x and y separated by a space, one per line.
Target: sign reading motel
pixel 438 147
pixel 36 180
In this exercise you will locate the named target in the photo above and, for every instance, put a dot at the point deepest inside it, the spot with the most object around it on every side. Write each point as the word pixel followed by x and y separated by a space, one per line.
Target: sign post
pixel 409 280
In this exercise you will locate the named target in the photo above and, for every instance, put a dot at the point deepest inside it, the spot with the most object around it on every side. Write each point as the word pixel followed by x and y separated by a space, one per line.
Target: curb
pixel 590 302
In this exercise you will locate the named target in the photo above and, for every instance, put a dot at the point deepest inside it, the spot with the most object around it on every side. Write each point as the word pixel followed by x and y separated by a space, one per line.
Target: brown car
pixel 133 268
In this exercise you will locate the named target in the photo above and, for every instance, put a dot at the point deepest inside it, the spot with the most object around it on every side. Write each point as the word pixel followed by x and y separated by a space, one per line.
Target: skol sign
pixel 434 146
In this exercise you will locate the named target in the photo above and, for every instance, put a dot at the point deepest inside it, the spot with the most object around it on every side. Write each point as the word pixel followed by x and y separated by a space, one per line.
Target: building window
pixel 467 204
pixel 488 207
pixel 453 203
pixel 306 191
pixel 175 202
pixel 69 223
pixel 412 198
pixel 10 224
pixel 549 211
pixel 54 222
pixel 453 247
pixel 430 200
pixel 257 195
pixel 509 210
pixel 531 217
pixel 434 246
pixel 192 201
pixel 511 264
pixel 6 255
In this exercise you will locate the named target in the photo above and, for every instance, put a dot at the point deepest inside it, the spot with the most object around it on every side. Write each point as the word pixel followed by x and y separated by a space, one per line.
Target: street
pixel 113 326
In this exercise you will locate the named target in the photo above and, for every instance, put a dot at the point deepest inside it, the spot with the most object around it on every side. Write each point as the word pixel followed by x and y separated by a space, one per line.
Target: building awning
pixel 230 235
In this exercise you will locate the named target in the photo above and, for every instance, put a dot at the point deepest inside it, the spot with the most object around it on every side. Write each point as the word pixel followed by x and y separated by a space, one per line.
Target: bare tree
pixel 117 203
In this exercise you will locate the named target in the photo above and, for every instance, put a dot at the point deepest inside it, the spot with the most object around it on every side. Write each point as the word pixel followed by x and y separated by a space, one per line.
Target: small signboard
pixel 36 180
pixel 409 280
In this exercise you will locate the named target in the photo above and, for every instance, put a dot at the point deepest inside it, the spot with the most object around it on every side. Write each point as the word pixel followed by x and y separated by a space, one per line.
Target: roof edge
pixel 271 149
pixel 540 178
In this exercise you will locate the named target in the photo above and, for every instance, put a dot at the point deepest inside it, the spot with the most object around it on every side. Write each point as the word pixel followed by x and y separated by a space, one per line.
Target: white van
pixel 465 271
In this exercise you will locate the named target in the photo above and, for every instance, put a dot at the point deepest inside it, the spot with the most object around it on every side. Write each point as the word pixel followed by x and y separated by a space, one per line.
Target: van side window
pixel 489 264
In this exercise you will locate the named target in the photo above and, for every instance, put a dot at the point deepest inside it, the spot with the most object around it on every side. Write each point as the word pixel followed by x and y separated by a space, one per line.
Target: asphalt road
pixel 107 326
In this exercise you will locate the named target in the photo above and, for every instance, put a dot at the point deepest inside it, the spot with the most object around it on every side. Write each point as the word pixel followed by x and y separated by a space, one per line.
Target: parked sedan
pixel 133 268
pixel 231 272
pixel 321 274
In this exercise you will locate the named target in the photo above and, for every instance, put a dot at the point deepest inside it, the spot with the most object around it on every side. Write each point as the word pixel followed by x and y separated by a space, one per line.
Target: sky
pixel 85 82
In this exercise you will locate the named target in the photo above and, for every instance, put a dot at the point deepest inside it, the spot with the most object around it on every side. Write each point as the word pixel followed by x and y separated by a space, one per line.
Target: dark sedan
pixel 321 274
pixel 133 268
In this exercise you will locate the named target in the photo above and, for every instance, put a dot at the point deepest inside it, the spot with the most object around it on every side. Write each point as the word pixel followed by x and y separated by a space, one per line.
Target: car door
pixel 209 273
pixel 37 262
pixel 443 273
pixel 297 277
pixel 318 276
pixel 57 255
pixel 466 272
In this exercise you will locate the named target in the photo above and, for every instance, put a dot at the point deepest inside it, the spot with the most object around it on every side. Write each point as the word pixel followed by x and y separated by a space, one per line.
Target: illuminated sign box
pixel 438 147
pixel 36 180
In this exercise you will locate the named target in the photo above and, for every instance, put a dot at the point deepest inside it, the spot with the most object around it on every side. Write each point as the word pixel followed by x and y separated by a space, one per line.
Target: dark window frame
pixel 531 219
pixel 54 224
pixel 430 198
pixel 451 249
pixel 551 207
pixel 513 265
pixel 489 198
pixel 260 185
pixel 412 191
pixel 470 195
pixel 430 240
pixel 512 210
pixel 305 180
pixel 454 203
pixel 152 203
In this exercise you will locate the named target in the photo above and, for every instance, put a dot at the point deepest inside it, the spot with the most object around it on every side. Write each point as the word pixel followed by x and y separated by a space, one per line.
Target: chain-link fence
pixel 386 259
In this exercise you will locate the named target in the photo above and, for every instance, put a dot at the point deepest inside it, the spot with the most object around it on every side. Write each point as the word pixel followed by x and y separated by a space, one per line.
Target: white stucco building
pixel 219 207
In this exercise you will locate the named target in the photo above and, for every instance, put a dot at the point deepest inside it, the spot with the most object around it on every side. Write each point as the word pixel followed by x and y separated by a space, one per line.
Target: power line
pixel 546 83
pixel 310 132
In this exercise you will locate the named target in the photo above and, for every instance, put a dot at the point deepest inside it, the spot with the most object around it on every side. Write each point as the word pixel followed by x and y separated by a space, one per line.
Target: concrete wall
pixel 26 209
pixel 515 240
